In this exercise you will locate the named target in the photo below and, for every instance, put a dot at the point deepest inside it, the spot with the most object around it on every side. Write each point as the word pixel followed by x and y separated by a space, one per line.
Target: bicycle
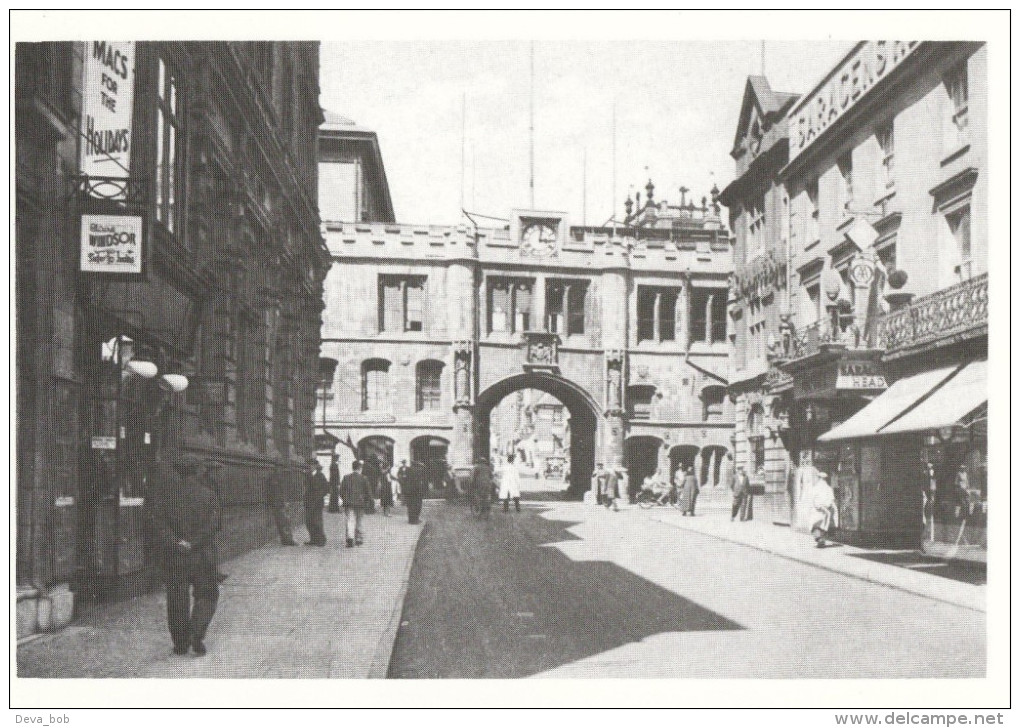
pixel 650 499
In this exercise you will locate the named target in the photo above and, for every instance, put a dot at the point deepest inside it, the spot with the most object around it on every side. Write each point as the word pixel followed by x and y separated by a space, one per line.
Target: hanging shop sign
pixel 112 244
pixel 848 83
pixel 108 90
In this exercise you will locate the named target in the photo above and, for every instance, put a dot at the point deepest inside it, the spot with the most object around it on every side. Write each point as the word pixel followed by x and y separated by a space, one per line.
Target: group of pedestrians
pixel 183 512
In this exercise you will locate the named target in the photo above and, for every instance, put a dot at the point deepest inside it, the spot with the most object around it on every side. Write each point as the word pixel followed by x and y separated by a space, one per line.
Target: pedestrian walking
pixel 689 492
pixel 334 484
pixel 612 490
pixel 276 495
pixel 598 482
pixel 481 486
pixel 826 514
pixel 316 488
pixel 356 495
pixel 183 512
pixel 741 488
pixel 213 472
pixel 385 489
pixel 414 491
pixel 370 469
pixel 509 484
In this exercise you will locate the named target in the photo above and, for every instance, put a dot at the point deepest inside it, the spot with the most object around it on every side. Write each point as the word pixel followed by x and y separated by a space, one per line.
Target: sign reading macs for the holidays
pixel 108 91
pixel 112 244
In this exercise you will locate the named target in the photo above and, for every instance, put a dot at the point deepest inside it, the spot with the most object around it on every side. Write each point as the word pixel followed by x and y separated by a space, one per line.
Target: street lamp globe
pixel 142 368
pixel 175 383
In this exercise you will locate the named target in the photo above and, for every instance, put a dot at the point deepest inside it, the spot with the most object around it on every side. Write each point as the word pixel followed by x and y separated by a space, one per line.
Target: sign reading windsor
pixel 108 85
pixel 112 244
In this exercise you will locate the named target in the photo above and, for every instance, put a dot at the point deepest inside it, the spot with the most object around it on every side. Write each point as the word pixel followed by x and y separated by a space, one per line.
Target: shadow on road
pixel 485 600
pixel 968 573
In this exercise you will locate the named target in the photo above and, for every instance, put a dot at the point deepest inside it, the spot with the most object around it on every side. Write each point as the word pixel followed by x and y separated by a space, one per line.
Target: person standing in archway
pixel 385 489
pixel 334 484
pixel 414 492
pixel 509 484
pixel 689 495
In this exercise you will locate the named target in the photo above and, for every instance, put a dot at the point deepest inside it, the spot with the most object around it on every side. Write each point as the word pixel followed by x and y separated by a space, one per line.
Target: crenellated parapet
pixel 698 250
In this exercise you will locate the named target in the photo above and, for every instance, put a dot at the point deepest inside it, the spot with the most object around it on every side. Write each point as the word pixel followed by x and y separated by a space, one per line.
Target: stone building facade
pixel 217 160
pixel 881 188
pixel 433 326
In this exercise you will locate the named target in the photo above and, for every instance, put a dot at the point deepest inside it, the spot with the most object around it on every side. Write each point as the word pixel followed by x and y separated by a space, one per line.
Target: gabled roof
pixel 759 95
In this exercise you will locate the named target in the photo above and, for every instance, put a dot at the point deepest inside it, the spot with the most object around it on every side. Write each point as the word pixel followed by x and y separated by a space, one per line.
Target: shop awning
pixel 890 404
pixel 947 405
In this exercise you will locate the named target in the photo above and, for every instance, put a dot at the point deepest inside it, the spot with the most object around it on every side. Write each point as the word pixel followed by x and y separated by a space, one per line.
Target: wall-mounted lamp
pixel 142 368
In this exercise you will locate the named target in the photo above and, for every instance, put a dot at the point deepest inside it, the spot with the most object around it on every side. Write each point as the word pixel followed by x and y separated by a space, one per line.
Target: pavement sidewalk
pixel 902 572
pixel 284 612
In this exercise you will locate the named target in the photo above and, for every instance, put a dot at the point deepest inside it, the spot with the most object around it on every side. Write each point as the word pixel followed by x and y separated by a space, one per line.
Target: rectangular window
pixel 509 302
pixel 708 315
pixel 340 191
pixel 756 226
pixel 429 388
pixel 168 173
pixel 959 98
pixel 401 303
pixel 375 386
pixel 657 310
pixel 564 306
pixel 813 234
pixel 886 142
pixel 959 226
pixel 846 171
pixel 813 307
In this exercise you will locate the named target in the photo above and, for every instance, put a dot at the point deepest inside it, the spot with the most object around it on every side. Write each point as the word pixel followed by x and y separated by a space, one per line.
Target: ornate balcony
pixel 823 336
pixel 954 313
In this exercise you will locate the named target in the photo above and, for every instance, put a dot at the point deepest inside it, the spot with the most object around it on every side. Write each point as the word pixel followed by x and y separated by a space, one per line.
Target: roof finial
pixel 650 189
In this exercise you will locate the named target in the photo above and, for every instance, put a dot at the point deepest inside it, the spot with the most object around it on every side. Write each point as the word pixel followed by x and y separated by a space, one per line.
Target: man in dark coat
pixel 741 492
pixel 355 493
pixel 316 488
pixel 183 511
pixel 370 469
pixel 214 473
pixel 414 491
pixel 334 484
pixel 276 495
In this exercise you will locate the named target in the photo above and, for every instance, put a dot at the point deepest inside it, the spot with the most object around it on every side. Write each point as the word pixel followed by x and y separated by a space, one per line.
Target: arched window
pixel 428 377
pixel 375 385
pixel 712 398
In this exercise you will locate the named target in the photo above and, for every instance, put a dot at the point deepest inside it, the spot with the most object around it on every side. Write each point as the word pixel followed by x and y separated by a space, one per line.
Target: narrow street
pixel 568 590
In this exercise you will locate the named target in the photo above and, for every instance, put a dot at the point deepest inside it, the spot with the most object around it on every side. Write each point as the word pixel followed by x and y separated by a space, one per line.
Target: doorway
pixel 641 456
pixel 431 452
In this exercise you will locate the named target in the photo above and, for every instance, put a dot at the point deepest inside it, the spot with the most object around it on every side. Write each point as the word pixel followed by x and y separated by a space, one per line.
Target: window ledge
pixel 847 220
pixel 886 196
pixel 812 244
pixel 955 154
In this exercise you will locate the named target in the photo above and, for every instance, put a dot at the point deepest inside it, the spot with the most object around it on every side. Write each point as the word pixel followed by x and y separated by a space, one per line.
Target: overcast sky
pixel 676 112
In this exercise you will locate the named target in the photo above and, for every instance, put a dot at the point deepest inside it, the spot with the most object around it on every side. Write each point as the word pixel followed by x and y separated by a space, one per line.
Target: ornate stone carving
pixel 541 350
pixel 463 354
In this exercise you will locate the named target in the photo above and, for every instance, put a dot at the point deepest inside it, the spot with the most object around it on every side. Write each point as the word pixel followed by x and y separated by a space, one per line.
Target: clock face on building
pixel 538 238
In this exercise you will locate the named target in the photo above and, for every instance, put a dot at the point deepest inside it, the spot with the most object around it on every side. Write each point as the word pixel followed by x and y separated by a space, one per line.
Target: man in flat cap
pixel 184 512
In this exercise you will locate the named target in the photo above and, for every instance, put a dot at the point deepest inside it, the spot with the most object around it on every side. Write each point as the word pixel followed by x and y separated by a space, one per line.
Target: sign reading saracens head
pixel 108 91
pixel 866 65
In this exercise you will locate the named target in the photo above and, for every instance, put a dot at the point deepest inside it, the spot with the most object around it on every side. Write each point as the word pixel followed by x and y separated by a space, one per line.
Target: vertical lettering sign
pixel 111 244
pixel 108 91
pixel 868 64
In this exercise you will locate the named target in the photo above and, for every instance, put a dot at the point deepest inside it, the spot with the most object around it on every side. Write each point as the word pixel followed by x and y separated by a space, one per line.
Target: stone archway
pixel 584 420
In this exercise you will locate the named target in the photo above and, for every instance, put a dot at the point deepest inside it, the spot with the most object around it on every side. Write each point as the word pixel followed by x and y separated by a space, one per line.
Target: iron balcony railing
pixel 948 313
